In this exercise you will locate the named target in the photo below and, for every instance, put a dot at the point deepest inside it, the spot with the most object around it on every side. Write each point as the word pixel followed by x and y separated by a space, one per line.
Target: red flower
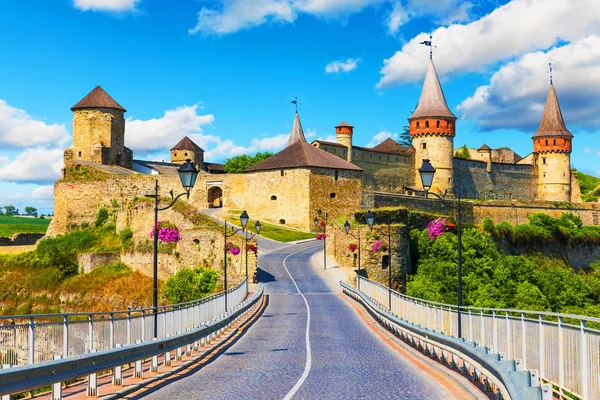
pixel 352 247
pixel 252 248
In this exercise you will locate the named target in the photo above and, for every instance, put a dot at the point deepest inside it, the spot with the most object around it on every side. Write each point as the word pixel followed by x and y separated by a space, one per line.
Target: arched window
pixel 426 124
pixel 282 173
pixel 337 175
pixel 186 154
pixel 282 221
pixel 555 142
pixel 332 195
pixel 174 154
pixel 417 124
pixel 438 124
pixel 546 142
pixel 273 197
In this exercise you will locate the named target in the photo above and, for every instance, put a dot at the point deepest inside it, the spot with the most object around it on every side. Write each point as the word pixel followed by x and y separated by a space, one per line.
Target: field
pixel 12 225
pixel 590 187
pixel 274 232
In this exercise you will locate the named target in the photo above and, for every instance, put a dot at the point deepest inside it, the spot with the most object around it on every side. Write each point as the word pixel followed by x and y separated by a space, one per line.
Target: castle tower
pixel 485 154
pixel 187 149
pixel 552 152
pixel 297 132
pixel 343 134
pixel 432 129
pixel 99 131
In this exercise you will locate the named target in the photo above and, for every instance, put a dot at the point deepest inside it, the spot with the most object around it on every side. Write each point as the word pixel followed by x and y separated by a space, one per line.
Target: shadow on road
pixel 263 276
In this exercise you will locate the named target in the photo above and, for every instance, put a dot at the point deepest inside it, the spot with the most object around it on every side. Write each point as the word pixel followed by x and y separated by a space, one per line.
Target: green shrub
pixel 101 217
pixel 544 221
pixel 529 234
pixel 61 251
pixel 489 227
pixel 505 230
pixel 187 285
pixel 126 236
pixel 144 247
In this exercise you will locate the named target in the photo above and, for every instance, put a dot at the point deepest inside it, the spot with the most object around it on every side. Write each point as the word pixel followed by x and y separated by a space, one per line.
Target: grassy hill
pixel 590 186
pixel 10 225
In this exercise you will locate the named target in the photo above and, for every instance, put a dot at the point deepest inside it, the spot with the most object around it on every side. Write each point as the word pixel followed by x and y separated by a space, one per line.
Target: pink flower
pixel 234 251
pixel 377 246
pixel 436 227
pixel 321 236
pixel 166 233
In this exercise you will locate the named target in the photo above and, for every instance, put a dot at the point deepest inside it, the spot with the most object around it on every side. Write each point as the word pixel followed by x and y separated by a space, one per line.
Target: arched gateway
pixel 215 197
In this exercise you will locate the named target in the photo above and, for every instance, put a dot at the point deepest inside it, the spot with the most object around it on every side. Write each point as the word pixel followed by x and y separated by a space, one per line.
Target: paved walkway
pixel 343 357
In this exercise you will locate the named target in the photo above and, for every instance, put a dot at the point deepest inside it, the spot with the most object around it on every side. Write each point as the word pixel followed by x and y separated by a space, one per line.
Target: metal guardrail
pixel 562 347
pixel 24 378
pixel 505 377
pixel 32 339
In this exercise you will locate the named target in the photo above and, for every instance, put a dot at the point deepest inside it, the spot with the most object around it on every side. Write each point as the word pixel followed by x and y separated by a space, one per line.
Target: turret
pixel 432 129
pixel 485 154
pixel 99 131
pixel 186 149
pixel 552 152
pixel 343 134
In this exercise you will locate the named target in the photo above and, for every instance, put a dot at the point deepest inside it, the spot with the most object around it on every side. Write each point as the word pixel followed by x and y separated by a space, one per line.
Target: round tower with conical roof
pixel 432 129
pixel 343 134
pixel 99 131
pixel 552 153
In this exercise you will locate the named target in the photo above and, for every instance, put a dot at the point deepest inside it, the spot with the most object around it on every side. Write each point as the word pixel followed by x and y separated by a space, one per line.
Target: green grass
pixel 274 232
pixel 11 225
pixel 590 186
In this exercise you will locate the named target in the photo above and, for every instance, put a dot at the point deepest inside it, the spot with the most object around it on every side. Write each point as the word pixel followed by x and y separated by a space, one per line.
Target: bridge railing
pixel 31 339
pixel 564 348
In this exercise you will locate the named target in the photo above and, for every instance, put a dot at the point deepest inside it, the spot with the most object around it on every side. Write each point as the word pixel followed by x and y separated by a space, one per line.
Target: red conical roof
pixel 98 98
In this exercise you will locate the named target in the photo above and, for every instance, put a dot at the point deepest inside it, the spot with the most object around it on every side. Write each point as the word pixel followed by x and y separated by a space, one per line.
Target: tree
pixel 31 211
pixel 462 152
pixel 241 162
pixel 405 139
pixel 188 285
pixel 10 210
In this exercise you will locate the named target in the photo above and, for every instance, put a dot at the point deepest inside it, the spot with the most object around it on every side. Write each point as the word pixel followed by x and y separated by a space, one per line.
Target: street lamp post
pixel 427 171
pixel 317 221
pixel 370 217
pixel 244 218
pixel 347 230
pixel 188 174
pixel 257 227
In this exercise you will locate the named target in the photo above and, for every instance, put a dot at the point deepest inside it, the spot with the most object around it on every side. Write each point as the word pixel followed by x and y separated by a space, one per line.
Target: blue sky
pixel 224 72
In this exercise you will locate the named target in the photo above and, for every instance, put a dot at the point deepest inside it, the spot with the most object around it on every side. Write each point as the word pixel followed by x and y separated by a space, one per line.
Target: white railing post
pixel 31 341
pixel 524 341
pixel 65 336
pixel 165 322
pixel 585 368
pixel 57 386
pixel 509 349
pixel 561 355
pixel 111 339
pixel 482 329
pixel 167 355
pixel 495 332
pixel 138 371
pixel 471 338
pixel 129 327
pixel 92 387
pixel 154 365
pixel 118 371
pixel 542 346
pixel 90 333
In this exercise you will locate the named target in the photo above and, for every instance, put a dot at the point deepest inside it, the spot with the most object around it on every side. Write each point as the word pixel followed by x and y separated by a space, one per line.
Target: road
pixel 346 359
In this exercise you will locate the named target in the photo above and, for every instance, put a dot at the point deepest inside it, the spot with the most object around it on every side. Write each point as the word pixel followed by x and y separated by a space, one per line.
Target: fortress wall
pixel 333 196
pixel 385 172
pixel 506 181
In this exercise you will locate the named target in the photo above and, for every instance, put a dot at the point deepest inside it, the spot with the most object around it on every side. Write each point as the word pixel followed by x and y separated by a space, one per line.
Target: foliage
pixel 405 139
pixel 436 227
pixel 462 152
pixel 589 185
pixel 11 210
pixel 126 237
pixel 488 226
pixel 101 217
pixel 85 173
pixel 10 225
pixel 192 214
pixel 495 280
pixel 190 284
pixel 241 162
pixel 32 211
pixel 167 232
pixel 61 251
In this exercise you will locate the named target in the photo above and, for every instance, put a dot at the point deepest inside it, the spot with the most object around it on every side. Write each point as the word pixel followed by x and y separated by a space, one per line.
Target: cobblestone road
pixel 348 360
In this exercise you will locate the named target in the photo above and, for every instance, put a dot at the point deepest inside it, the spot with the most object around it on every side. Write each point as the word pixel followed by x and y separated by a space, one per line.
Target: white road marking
pixel 308 364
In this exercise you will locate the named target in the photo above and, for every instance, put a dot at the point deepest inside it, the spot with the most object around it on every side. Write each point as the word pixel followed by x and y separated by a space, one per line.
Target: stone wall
pixel 503 181
pixel 21 239
pixel 577 256
pixel 90 261
pixel 371 263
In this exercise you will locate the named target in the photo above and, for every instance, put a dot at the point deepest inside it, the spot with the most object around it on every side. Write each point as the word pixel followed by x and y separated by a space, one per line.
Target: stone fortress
pixel 289 187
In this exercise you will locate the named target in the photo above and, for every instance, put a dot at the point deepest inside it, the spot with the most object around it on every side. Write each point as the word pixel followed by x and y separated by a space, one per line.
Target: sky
pixel 224 72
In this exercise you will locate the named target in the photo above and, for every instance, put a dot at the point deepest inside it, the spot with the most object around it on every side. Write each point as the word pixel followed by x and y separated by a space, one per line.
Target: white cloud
pixel 342 66
pixel 228 148
pixel 34 165
pixel 3 160
pixel 516 94
pixel 234 15
pixel 165 132
pixel 514 29
pixel 598 153
pixel 380 137
pixel 19 129
pixel 587 150
pixel 106 5
pixel 310 133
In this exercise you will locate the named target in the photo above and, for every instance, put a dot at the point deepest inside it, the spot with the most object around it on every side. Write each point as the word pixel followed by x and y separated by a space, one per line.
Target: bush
pixel 101 217
pixel 61 251
pixel 187 285
pixel 126 236
pixel 489 227
pixel 504 229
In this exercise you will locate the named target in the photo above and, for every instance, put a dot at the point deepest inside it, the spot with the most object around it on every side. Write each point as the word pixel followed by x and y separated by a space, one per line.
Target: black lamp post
pixel 317 221
pixel 188 174
pixel 427 171
pixel 244 218
pixel 370 217
pixel 257 227
pixel 347 230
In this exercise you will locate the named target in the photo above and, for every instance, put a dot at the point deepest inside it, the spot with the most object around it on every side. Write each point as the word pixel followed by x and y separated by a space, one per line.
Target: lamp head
pixel 188 174
pixel 370 217
pixel 257 226
pixel 427 172
pixel 316 221
pixel 347 226
pixel 244 219
pixel 319 212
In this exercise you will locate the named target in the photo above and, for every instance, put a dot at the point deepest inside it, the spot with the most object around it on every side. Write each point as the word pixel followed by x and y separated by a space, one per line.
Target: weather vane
pixel 430 44
pixel 550 65
pixel 295 102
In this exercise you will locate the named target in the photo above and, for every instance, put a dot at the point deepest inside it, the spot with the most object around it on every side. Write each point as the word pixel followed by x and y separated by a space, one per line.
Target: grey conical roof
pixel 432 102
pixel 552 123
pixel 297 133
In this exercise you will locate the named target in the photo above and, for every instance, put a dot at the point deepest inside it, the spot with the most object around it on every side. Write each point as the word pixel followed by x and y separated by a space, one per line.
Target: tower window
pixel 426 124
pixel 544 175
pixel 438 124
pixel 337 175
pixel 282 221
pixel 174 154
pixel 546 142
pixel 273 197
pixel 186 154
pixel 79 153
pixel 332 195
pixel 282 173
pixel 423 145
pixel 543 160
pixel 417 124
pixel 555 142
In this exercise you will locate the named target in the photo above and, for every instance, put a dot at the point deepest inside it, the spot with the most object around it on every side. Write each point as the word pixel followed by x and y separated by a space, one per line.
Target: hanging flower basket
pixel 252 248
pixel 322 224
pixel 352 247
pixel 379 246
pixel 321 236
pixel 167 232
pixel 232 249
pixel 437 227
